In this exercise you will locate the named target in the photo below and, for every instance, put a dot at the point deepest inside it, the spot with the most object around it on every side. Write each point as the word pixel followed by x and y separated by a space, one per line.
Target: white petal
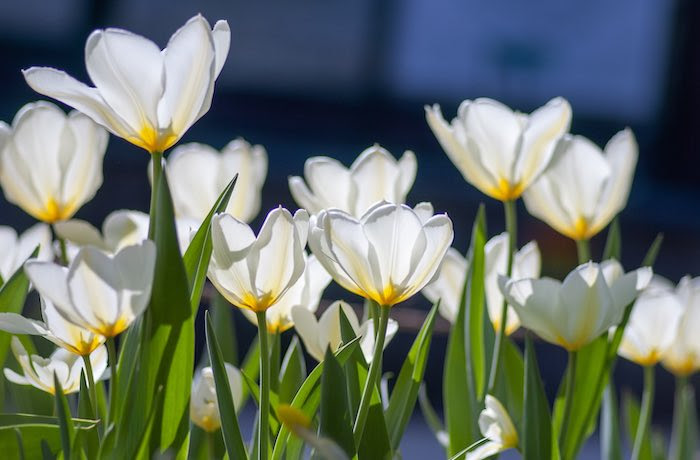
pixel 448 284
pixel 376 177
pixel 330 183
pixel 124 228
pixel 135 265
pixel 367 341
pixel 307 327
pixel 221 35
pixel 18 324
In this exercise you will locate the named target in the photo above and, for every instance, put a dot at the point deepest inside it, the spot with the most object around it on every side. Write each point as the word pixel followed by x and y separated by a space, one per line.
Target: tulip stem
pixel 64 251
pixel 512 229
pixel 92 391
pixel 263 421
pixel 645 413
pixel 157 162
pixel 568 395
pixel 683 403
pixel 112 357
pixel 371 381
pixel 583 248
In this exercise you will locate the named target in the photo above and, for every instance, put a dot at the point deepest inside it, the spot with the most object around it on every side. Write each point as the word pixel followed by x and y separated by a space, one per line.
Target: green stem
pixel 275 360
pixel 211 444
pixel 583 249
pixel 263 422
pixel 64 251
pixel 512 229
pixel 371 381
pixel 680 418
pixel 157 162
pixel 645 413
pixel 112 357
pixel 568 396
pixel 92 391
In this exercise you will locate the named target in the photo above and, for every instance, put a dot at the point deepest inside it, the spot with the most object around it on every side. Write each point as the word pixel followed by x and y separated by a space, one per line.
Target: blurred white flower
pixel 320 334
pixel 100 292
pixel 143 94
pixel 39 372
pixel 584 187
pixel 51 163
pixel 683 356
pixel 572 313
pixel 374 176
pixel 497 150
pixel 388 255
pixel 198 173
pixel 496 426
pixel 204 408
pixel 255 272
pixel 15 250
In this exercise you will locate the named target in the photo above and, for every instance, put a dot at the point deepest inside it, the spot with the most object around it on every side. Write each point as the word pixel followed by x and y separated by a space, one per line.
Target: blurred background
pixel 332 77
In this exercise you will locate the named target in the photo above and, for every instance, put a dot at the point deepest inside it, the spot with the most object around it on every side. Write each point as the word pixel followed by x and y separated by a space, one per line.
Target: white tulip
pixel 374 176
pixel 198 173
pixel 15 250
pixel 447 286
pixel 39 372
pixel 254 273
pixel 143 94
pixel 572 313
pixel 497 427
pixel 120 229
pixel 683 356
pixel 584 187
pixel 305 293
pixel 204 407
pixel 323 333
pixel 51 163
pixel 388 255
pixel 653 324
pixel 497 150
pixel 100 292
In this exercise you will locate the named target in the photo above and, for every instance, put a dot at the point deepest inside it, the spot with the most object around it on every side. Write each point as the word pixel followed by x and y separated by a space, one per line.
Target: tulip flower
pixel 374 176
pixel 305 294
pixel 100 292
pixel 323 333
pixel 387 255
pixel 652 326
pixel 572 313
pixel 497 150
pixel 54 328
pixel 39 372
pixel 682 358
pixel 448 284
pixel 254 273
pixel 198 174
pixel 143 94
pixel 498 430
pixel 204 409
pixel 15 250
pixel 584 187
pixel 120 229
pixel 51 163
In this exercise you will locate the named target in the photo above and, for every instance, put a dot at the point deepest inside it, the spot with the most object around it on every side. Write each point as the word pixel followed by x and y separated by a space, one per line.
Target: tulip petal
pixel 330 183
pixel 626 288
pixel 250 163
pixel 485 450
pixel 187 165
pixel 135 265
pixel 49 280
pixel 438 238
pixel 537 303
pixel 375 175
pixel 18 324
pixel 221 35
pixel 447 286
pixel 308 329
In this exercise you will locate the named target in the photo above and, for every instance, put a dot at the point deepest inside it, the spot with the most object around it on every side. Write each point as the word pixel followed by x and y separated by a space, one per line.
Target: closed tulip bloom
pixel 573 313
pixel 198 174
pixel 16 249
pixel 39 372
pixel 497 427
pixel 51 163
pixel 584 187
pixel 374 176
pixel 143 94
pixel 448 285
pixel 255 272
pixel 323 333
pixel 682 358
pixel 100 292
pixel 305 293
pixel 204 408
pixel 387 255
pixel 497 150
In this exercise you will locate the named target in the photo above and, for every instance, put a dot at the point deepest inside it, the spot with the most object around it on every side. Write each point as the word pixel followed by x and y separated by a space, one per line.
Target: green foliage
pixel 536 428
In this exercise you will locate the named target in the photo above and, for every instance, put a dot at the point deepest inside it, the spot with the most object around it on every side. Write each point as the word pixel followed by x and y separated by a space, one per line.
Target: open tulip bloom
pixel 374 176
pixel 14 249
pixel 143 94
pixel 204 411
pixel 683 355
pixel 50 162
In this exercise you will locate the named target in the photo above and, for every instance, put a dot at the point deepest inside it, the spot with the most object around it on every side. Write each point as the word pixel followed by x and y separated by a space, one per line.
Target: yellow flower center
pixel 505 191
pixel 152 140
pixel 54 211
pixel 257 303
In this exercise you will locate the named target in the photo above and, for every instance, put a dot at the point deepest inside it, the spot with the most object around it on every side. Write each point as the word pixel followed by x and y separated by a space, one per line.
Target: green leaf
pixel 293 371
pixel 653 251
pixel 405 392
pixel 475 306
pixel 224 325
pixel 251 365
pixel 536 427
pixel 610 448
pixel 352 379
pixel 613 242
pixel 65 422
pixel 431 417
pixel 90 439
pixel 509 388
pixel 335 419
pixel 229 421
pixel 254 390
pixel 685 424
pixel 631 409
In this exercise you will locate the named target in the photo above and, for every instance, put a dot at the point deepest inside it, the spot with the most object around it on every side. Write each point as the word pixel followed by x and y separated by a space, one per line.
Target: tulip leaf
pixel 335 419
pixel 250 366
pixel 65 422
pixel 685 424
pixel 229 420
pixel 536 427
pixel 352 379
pixel 90 438
pixel 274 401
pixel 293 371
pixel 431 417
pixel 40 435
pixel 222 318
pixel 405 392
pixel 631 410
pixel 475 303
pixel 610 448
pixel 613 241
pixel 653 251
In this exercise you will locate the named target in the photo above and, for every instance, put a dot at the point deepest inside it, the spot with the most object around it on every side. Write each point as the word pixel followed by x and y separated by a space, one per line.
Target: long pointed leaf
pixel 65 422
pixel 336 421
pixel 536 428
